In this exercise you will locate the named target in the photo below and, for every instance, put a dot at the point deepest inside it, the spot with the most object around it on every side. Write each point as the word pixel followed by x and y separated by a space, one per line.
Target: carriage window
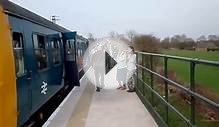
pixel 18 53
pixel 56 51
pixel 70 50
pixel 78 49
pixel 40 49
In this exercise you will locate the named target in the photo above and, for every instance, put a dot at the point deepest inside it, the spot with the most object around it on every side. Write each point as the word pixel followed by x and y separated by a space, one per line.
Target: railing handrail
pixel 168 104
pixel 167 81
pixel 180 86
pixel 196 60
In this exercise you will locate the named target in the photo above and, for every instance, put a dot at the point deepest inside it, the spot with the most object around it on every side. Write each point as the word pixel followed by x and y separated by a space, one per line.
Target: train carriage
pixel 81 46
pixel 41 60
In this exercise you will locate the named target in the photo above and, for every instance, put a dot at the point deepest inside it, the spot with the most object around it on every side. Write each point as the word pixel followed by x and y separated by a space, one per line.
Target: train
pixel 40 62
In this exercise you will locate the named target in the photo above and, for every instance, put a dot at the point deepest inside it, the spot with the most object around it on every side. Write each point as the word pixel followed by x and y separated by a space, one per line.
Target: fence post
pixel 192 88
pixel 142 62
pixel 152 79
pixel 137 69
pixel 166 87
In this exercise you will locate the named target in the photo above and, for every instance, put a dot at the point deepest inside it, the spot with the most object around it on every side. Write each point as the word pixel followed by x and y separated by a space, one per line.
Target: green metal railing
pixel 150 69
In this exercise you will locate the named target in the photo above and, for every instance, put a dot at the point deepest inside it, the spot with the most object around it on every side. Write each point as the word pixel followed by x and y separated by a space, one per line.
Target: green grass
pixel 205 75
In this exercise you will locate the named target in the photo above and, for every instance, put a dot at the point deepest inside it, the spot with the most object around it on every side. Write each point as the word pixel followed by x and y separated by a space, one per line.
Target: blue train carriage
pixel 81 46
pixel 44 60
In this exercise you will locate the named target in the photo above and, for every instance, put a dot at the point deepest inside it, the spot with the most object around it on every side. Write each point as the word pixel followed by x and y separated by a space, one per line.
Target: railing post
pixel 192 88
pixel 166 87
pixel 137 70
pixel 152 79
pixel 142 62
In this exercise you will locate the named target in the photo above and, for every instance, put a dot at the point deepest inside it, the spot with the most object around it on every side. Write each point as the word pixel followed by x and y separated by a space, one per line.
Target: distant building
pixel 205 45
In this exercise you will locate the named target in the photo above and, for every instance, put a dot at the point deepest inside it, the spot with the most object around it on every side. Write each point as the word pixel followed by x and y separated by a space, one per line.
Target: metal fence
pixel 147 66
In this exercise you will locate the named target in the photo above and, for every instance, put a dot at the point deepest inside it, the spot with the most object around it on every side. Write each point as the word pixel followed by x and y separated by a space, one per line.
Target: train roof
pixel 18 11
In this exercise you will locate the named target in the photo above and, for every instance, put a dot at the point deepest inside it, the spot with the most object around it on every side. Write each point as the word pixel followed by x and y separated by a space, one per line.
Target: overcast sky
pixel 159 17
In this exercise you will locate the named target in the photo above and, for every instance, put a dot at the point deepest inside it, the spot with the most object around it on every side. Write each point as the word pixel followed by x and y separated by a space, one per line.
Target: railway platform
pixel 84 107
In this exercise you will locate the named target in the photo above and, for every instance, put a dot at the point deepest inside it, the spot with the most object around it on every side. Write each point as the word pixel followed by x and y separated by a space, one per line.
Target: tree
pixel 216 43
pixel 113 34
pixel 178 38
pixel 147 43
pixel 165 43
pixel 90 37
pixel 213 38
pixel 201 38
pixel 131 34
pixel 182 42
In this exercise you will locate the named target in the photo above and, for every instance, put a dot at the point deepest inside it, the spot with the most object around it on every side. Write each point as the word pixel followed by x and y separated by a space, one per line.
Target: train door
pixel 57 55
pixel 71 69
pixel 23 78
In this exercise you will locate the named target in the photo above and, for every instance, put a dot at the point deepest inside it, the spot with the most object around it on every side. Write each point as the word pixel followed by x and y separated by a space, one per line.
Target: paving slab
pixel 117 108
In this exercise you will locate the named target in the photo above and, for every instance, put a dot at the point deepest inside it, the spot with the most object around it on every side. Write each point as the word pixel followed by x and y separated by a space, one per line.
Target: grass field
pixel 205 75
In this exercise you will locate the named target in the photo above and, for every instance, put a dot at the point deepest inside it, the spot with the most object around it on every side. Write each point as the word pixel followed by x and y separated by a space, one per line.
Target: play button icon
pixel 103 61
pixel 109 62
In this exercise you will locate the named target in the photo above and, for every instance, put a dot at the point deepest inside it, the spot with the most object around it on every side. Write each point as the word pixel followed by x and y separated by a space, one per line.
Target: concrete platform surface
pixel 116 108
pixel 84 107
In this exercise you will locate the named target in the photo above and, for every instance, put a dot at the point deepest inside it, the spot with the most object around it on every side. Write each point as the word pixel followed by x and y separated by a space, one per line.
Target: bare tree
pixel 131 34
pixel 148 43
pixel 90 37
pixel 165 43
pixel 202 38
pixel 182 42
pixel 213 38
pixel 113 34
